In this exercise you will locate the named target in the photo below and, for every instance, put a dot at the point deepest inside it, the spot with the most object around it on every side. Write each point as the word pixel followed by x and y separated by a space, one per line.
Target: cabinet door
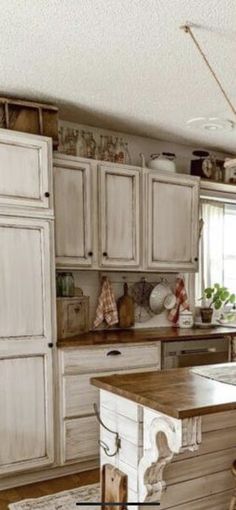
pixel 25 279
pixel 26 319
pixel 26 406
pixel 72 186
pixel 119 200
pixel 172 222
pixel 25 170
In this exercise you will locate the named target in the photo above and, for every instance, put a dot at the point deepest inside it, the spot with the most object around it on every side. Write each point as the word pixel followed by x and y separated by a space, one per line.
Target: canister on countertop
pixel 185 319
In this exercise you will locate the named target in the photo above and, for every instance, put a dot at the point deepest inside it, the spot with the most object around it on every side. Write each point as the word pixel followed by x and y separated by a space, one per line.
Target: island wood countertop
pixel 176 392
pixel 166 334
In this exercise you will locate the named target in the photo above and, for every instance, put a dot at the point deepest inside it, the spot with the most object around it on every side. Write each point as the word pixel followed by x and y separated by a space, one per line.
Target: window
pixel 217 246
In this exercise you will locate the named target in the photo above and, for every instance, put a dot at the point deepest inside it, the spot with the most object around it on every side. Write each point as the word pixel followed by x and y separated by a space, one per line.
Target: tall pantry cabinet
pixel 27 301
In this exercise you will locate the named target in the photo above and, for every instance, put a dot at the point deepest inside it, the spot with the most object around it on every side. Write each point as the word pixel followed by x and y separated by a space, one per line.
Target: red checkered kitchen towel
pixel 106 309
pixel 181 300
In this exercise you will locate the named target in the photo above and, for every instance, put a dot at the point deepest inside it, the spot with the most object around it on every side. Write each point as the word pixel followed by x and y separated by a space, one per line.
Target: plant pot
pixel 206 314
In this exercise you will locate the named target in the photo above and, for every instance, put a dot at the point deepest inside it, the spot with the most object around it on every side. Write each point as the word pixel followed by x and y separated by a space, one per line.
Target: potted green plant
pixel 217 297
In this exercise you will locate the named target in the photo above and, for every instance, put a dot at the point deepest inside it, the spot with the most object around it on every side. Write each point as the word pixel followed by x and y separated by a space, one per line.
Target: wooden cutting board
pixel 125 306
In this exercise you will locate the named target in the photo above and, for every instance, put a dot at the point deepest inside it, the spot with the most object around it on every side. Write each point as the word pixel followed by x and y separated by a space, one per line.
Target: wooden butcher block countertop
pixel 177 392
pixel 167 334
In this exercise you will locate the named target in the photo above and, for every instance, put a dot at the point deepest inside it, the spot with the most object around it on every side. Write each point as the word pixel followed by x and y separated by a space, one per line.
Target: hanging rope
pixel 187 29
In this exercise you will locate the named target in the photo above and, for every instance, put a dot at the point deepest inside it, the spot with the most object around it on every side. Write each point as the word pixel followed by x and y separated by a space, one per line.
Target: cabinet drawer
pixel 81 439
pixel 109 358
pixel 79 395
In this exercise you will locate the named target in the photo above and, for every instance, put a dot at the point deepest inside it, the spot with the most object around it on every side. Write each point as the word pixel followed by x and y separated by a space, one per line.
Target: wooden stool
pixel 232 505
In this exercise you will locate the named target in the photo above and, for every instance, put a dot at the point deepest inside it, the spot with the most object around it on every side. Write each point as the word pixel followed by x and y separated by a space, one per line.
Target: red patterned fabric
pixel 181 300
pixel 106 309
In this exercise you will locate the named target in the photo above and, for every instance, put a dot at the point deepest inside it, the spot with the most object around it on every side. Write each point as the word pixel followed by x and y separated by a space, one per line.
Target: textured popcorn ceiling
pixel 123 64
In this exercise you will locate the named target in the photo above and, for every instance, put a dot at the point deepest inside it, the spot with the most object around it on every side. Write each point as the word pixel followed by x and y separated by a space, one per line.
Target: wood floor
pixel 36 490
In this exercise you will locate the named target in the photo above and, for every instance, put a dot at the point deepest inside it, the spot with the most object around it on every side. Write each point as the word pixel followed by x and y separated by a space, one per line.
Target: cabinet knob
pixel 50 345
pixel 196 259
pixel 90 253
pixel 104 254
pixel 47 194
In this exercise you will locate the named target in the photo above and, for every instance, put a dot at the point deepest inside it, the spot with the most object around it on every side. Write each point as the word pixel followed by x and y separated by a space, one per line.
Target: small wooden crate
pixel 29 117
pixel 72 316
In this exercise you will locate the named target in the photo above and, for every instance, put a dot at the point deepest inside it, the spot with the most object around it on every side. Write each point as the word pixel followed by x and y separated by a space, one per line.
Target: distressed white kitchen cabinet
pixel 26 335
pixel 26 405
pixel 119 216
pixel 79 428
pixel 25 172
pixel 25 278
pixel 27 306
pixel 73 212
pixel 112 216
pixel 171 225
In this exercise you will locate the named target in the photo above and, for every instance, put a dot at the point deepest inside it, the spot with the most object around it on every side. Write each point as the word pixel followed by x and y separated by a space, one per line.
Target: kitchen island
pixel 177 432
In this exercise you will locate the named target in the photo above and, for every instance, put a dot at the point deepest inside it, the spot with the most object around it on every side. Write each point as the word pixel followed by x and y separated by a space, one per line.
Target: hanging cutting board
pixel 125 306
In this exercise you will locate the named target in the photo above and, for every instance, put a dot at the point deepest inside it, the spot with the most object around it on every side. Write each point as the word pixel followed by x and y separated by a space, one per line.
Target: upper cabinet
pixel 172 222
pixel 119 204
pixel 73 212
pixel 115 216
pixel 25 171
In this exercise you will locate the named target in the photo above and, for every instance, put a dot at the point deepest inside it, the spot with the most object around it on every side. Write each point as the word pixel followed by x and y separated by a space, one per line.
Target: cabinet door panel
pixel 25 170
pixel 81 439
pixel 119 216
pixel 172 222
pixel 73 214
pixel 25 300
pixel 26 420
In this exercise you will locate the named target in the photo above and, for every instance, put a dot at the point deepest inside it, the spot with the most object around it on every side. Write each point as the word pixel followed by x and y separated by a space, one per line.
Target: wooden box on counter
pixel 72 316
pixel 29 117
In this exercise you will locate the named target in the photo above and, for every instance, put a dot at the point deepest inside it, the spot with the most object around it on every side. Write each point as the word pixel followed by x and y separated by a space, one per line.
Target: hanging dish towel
pixel 181 300
pixel 106 309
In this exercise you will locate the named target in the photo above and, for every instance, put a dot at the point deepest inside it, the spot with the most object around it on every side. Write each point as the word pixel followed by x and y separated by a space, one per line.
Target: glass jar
pixel 68 287
pixel 59 284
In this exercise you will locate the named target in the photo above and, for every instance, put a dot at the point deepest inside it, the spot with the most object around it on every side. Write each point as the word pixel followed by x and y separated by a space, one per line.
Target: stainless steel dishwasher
pixel 190 353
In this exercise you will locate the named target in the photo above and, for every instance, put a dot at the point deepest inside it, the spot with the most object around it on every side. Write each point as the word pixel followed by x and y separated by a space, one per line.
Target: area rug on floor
pixel 65 500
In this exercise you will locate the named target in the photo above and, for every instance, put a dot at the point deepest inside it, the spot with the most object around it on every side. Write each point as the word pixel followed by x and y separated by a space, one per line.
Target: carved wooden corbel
pixel 164 437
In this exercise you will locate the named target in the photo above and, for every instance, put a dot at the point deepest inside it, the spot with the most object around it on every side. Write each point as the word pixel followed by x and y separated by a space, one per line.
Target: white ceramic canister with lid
pixel 185 319
pixel 163 162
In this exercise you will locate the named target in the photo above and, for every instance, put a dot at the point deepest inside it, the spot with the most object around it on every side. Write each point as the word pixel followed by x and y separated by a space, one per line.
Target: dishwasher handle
pixel 197 351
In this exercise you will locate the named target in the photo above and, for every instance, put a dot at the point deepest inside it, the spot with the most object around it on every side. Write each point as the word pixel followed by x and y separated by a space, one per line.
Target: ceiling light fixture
pixel 188 30
pixel 211 123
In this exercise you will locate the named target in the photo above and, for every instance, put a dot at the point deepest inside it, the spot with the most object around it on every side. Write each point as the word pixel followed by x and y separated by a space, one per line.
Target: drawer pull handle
pixel 77 309
pixel 114 353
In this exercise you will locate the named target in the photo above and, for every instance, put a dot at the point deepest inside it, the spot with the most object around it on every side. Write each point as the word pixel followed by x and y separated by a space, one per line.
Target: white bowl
pixel 158 296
